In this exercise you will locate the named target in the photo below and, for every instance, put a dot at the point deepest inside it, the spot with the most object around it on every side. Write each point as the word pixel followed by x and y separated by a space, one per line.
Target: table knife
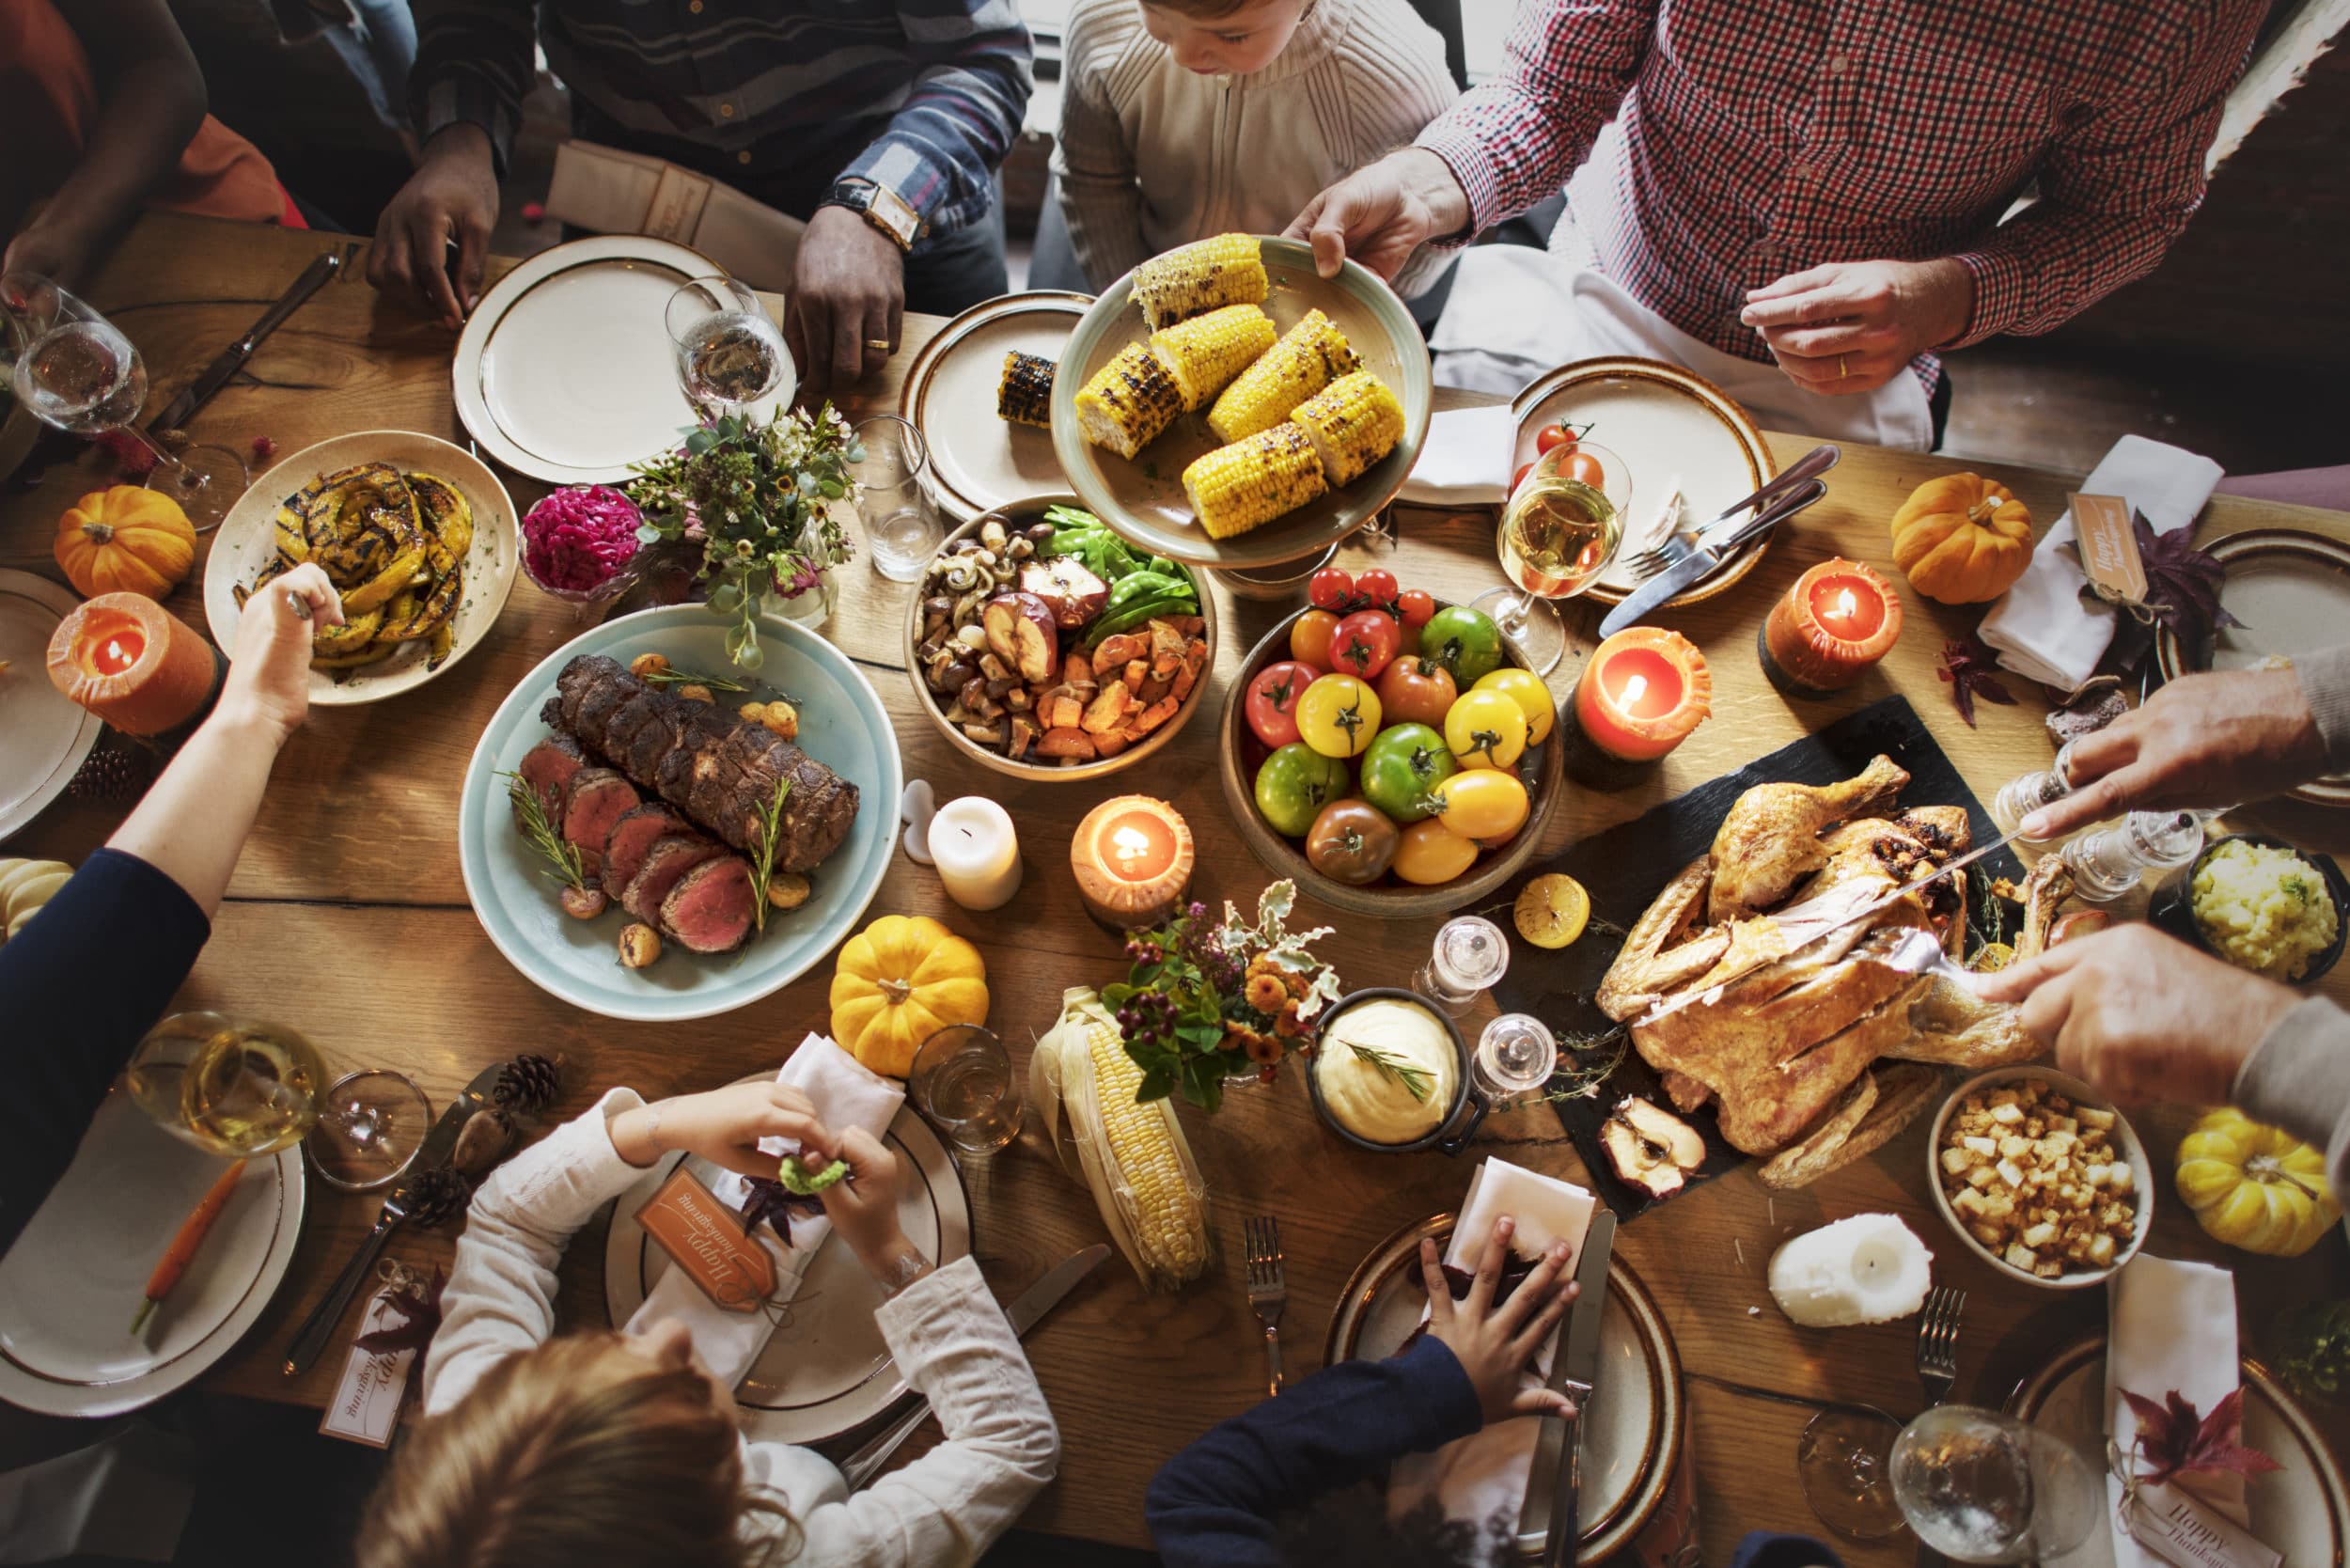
pixel 215 375
pixel 1574 1370
pixel 1701 561
pixel 1030 1305
pixel 439 1144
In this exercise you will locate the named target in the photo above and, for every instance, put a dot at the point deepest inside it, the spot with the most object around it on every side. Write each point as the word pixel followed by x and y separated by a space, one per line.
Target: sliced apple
pixel 1650 1148
pixel 1073 593
pixel 1020 632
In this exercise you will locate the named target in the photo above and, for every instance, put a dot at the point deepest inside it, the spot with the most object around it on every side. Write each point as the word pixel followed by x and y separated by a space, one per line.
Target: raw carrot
pixel 183 1246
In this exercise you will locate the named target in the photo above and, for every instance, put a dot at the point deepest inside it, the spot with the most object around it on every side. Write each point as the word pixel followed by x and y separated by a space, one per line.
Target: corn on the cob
pixel 1155 1191
pixel 1310 356
pixel 1024 396
pixel 1207 351
pixel 1235 488
pixel 1354 422
pixel 1128 401
pixel 1193 279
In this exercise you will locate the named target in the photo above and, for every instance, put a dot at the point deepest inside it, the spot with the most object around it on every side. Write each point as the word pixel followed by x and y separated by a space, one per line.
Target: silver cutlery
pixel 1268 1290
pixel 231 359
pixel 1676 545
pixel 1937 1342
pixel 1574 1370
pixel 1706 556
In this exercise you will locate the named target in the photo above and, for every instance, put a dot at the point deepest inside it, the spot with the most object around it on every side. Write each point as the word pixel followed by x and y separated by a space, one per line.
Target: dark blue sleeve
pixel 1764 1548
pixel 1215 1502
pixel 80 985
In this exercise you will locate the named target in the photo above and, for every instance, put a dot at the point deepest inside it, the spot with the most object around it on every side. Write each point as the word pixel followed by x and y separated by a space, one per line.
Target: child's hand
pixel 1495 1343
pixel 268 670
pixel 724 1126
pixel 864 1211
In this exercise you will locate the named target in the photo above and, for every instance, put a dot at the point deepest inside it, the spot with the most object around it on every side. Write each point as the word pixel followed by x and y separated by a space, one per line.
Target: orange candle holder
pixel 136 665
pixel 1642 693
pixel 1132 858
pixel 1825 632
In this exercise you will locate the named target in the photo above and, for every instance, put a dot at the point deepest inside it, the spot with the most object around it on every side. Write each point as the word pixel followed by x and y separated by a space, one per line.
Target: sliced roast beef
pixel 665 865
pixel 710 908
pixel 632 839
pixel 546 768
pixel 594 800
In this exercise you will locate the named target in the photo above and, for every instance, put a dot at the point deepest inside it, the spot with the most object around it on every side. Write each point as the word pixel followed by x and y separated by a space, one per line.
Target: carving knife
pixel 1661 590
pixel 1574 1370
pixel 230 359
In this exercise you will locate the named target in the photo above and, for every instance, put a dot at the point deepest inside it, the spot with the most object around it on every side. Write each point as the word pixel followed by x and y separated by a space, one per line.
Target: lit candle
pixel 1133 859
pixel 1838 620
pixel 976 852
pixel 134 664
pixel 1642 695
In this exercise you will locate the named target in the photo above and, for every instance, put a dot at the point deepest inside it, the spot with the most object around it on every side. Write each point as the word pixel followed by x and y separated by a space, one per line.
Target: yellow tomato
pixel 1481 803
pixel 1338 716
pixel 1430 853
pixel 1527 690
pixel 1485 728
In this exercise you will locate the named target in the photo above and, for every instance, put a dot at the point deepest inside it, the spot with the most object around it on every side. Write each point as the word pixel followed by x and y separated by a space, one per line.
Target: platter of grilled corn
pixel 981 392
pixel 417 536
pixel 1225 405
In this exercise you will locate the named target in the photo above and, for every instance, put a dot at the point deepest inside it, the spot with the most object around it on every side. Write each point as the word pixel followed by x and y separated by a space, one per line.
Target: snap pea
pixel 1126 620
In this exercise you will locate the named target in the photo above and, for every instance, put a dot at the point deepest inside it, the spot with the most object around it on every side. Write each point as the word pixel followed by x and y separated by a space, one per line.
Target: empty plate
pixel 48 734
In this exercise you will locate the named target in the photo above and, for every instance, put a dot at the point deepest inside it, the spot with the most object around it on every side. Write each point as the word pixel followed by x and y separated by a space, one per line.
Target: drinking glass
pixel 731 356
pixel 1979 1486
pixel 901 529
pixel 77 371
pixel 1469 956
pixel 962 1082
pixel 1844 1460
pixel 1515 1055
pixel 371 1123
pixel 1559 531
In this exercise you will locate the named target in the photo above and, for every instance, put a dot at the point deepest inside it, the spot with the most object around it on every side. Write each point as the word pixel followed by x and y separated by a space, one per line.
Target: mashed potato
pixel 2263 909
pixel 1372 1101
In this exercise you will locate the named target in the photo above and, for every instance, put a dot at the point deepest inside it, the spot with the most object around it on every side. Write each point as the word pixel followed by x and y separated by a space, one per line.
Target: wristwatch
pixel 880 206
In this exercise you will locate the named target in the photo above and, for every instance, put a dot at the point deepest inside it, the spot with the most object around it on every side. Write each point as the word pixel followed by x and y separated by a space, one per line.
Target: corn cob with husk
pixel 1133 1157
pixel 1354 422
pixel 1309 357
pixel 1191 281
pixel 1204 353
pixel 1236 488
pixel 1024 396
pixel 1128 401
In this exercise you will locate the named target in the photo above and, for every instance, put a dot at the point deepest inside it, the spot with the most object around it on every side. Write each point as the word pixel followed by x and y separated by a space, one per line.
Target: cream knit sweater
pixel 1152 155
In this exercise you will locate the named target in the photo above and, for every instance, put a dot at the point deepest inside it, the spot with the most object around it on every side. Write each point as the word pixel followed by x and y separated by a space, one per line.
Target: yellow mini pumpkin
pixel 125 541
pixel 2255 1188
pixel 899 982
pixel 1962 538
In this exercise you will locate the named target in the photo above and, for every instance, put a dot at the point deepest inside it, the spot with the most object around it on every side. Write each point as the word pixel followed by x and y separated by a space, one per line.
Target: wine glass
pixel 77 371
pixel 731 356
pixel 1975 1485
pixel 1559 532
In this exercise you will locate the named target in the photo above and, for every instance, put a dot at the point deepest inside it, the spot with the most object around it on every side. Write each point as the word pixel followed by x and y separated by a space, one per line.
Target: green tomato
pixel 1295 784
pixel 1402 765
pixel 1464 642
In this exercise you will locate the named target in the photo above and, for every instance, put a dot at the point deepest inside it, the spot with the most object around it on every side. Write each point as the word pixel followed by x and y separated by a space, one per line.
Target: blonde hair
pixel 562 1456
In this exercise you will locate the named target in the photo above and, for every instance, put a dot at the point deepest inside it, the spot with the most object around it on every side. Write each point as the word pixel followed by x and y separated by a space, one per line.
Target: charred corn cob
pixel 1354 422
pixel 1310 356
pixel 1128 401
pixel 1193 279
pixel 1207 351
pixel 1235 488
pixel 1024 396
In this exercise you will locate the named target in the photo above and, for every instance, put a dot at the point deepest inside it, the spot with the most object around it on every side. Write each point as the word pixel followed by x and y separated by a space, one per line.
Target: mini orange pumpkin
pixel 1962 538
pixel 125 541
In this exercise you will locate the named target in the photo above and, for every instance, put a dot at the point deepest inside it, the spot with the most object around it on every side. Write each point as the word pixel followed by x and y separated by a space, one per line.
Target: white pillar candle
pixel 977 852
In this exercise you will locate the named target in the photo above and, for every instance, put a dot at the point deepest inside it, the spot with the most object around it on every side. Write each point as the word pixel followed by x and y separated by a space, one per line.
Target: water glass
pixel 1515 1056
pixel 1979 1486
pixel 962 1082
pixel 901 527
pixel 731 356
pixel 370 1129
pixel 1469 957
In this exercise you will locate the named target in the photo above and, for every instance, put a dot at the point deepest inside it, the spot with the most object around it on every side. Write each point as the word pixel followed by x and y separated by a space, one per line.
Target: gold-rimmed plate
pixel 979 461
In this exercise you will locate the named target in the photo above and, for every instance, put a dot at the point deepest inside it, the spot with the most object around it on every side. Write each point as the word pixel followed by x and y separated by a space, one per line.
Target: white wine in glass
pixel 233 1086
pixel 1559 530
pixel 731 356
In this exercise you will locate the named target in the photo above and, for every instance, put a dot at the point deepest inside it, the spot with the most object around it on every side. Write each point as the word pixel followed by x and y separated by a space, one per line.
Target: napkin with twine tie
pixel 2169 1326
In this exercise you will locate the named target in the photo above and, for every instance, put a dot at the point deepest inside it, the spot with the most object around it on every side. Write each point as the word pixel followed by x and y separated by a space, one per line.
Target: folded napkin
pixel 2169 1326
pixel 1465 460
pixel 2042 629
pixel 1484 1474
pixel 846 1095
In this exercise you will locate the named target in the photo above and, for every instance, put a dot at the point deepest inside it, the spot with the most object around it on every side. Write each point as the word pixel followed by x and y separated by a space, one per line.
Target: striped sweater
pixel 779 98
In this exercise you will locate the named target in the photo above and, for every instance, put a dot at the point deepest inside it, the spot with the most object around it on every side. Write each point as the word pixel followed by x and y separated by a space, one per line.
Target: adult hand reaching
pixel 1852 326
pixel 1495 1343
pixel 2206 740
pixel 848 296
pixel 1382 212
pixel 452 195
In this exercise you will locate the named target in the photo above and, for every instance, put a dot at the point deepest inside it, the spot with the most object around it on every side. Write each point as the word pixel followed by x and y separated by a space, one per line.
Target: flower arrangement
pixel 1200 995
pixel 757 500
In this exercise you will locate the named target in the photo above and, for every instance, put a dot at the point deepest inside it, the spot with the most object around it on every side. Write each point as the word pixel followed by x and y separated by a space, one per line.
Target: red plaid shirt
pixel 1761 137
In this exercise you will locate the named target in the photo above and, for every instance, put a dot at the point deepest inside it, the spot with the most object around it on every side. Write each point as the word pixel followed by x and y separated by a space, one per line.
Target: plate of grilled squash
pixel 417 536
pixel 1225 405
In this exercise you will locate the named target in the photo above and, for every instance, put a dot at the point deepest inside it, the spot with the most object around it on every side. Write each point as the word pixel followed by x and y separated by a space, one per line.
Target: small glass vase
pixel 813 605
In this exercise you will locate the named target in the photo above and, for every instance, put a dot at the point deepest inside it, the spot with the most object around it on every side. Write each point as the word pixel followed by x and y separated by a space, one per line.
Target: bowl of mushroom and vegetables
pixel 1046 647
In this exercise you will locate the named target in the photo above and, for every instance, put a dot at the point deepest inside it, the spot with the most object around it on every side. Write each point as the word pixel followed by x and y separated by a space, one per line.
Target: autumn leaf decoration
pixel 2182 583
pixel 420 1307
pixel 1967 665
pixel 773 1203
pixel 2177 1441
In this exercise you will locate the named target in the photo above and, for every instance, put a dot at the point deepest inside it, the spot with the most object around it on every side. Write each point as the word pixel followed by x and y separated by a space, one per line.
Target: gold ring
pixel 1840 372
pixel 880 343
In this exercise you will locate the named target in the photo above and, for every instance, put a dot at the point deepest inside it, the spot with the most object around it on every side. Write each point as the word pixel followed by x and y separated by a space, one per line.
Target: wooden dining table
pixel 347 919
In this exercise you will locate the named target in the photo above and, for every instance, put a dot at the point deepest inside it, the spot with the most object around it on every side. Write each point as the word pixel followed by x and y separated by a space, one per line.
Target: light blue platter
pixel 842 725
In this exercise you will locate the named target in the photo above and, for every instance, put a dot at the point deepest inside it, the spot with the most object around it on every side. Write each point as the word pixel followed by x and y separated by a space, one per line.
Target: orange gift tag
pixel 705 1238
pixel 2110 546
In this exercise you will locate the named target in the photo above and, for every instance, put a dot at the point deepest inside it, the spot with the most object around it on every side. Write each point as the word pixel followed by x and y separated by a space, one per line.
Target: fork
pixel 1670 550
pixel 1268 1292
pixel 1937 1342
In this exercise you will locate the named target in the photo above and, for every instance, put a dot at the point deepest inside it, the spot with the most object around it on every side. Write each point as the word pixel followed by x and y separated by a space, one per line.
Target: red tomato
pixel 1273 696
pixel 1413 691
pixel 1377 587
pixel 1552 435
pixel 1519 478
pixel 1416 606
pixel 1309 638
pixel 1584 466
pixel 1330 588
pixel 1366 644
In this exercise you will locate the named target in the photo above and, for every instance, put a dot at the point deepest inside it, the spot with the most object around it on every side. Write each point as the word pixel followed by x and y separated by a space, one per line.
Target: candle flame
pixel 1633 689
pixel 1130 844
pixel 1846 606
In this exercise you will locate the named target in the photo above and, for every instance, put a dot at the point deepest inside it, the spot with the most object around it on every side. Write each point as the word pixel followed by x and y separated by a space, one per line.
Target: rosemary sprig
pixel 763 868
pixel 542 836
pixel 1414 1079
pixel 675 677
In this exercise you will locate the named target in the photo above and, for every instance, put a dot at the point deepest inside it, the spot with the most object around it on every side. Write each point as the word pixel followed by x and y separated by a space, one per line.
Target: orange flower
pixel 1262 1051
pixel 1288 1025
pixel 1266 993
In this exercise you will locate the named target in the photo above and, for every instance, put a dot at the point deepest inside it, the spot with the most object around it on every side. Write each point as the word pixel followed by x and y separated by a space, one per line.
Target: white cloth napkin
pixel 2042 628
pixel 846 1095
pixel 1465 460
pixel 1480 1475
pixel 2169 1326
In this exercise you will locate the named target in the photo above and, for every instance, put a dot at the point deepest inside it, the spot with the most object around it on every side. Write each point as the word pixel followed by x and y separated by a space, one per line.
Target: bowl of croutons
pixel 2041 1177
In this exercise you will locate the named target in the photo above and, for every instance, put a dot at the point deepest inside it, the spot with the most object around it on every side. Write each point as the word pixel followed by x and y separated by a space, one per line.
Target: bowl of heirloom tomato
pixel 1392 752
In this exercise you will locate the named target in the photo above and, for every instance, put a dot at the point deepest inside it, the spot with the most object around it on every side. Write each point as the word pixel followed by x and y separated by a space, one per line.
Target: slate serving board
pixel 1626 867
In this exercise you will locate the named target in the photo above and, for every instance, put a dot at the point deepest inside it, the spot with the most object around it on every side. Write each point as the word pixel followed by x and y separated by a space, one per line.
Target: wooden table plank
pixel 354 865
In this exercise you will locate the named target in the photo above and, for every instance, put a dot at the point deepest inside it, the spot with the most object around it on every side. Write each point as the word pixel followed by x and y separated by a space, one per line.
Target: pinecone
pixel 438 1195
pixel 529 1084
pixel 112 772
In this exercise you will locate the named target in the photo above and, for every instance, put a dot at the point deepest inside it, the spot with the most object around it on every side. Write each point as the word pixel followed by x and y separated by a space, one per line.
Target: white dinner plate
pixel 46 734
pixel 248 542
pixel 826 1369
pixel 979 461
pixel 70 1284
pixel 564 370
